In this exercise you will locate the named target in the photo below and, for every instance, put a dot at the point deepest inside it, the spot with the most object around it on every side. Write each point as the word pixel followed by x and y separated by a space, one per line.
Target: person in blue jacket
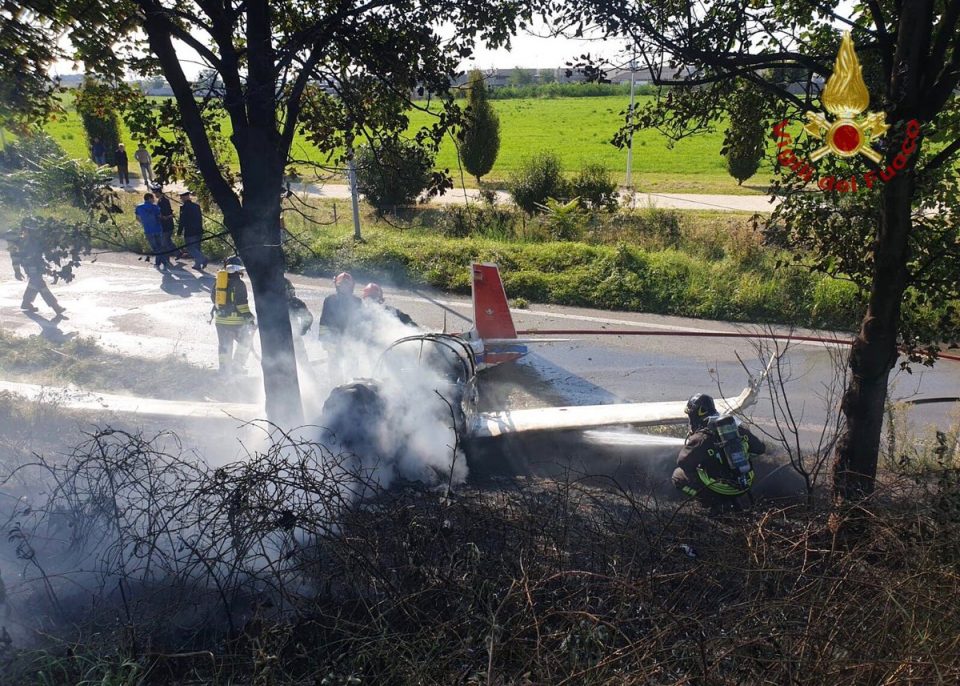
pixel 148 215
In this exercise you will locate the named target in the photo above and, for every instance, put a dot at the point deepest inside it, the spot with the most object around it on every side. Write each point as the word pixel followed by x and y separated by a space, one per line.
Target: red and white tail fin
pixel 491 313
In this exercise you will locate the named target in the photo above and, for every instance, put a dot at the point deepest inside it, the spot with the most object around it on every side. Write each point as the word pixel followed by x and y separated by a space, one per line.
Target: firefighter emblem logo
pixel 846 98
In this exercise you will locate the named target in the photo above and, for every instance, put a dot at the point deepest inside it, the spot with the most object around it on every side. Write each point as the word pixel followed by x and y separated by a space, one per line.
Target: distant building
pixel 499 78
pixel 156 86
pixel 69 80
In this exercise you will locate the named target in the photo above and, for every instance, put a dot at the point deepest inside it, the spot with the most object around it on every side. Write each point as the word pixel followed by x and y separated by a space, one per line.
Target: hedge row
pixel 609 277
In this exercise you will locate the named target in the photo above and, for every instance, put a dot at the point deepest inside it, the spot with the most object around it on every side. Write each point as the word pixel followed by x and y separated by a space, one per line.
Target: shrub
pixel 564 221
pixel 393 174
pixel 836 303
pixel 538 179
pixel 651 227
pixel 595 188
pixel 462 221
pixel 28 152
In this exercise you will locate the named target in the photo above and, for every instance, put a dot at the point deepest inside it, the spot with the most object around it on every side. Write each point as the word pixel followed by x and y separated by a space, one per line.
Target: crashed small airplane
pixel 493 340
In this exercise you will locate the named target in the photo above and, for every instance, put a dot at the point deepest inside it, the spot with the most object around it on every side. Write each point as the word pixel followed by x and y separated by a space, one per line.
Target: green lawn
pixel 577 129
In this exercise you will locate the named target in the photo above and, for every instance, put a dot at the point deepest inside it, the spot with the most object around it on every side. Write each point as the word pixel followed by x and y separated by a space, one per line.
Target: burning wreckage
pixel 420 409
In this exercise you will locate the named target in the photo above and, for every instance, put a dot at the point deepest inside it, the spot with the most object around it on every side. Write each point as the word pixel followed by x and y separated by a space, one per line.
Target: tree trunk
pixel 263 258
pixel 874 351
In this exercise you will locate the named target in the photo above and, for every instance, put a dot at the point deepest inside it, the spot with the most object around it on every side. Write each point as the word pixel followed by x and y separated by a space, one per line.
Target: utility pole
pixel 633 67
pixel 352 175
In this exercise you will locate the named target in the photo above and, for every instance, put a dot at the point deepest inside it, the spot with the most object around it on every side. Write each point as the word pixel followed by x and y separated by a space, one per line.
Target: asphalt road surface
pixel 131 308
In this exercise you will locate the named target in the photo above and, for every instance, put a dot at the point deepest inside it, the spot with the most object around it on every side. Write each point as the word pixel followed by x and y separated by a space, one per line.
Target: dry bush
pixel 272 572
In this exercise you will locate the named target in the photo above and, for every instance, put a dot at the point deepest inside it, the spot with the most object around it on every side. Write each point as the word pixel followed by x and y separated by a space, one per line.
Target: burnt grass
pixel 523 581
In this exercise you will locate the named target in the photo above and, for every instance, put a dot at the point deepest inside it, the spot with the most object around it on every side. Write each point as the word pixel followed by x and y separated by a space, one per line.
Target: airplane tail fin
pixel 491 312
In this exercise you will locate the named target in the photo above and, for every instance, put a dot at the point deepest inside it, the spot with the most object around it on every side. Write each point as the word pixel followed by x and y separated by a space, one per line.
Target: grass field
pixel 577 129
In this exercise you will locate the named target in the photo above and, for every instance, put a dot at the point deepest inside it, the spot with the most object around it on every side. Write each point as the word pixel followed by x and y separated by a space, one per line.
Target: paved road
pixel 131 308
pixel 677 201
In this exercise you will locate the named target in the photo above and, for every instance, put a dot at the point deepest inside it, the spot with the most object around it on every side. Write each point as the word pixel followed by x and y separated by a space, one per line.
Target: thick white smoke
pixel 411 433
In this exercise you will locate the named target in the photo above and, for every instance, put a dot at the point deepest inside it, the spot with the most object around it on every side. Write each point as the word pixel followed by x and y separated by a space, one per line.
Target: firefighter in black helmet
pixel 714 463
pixel 234 320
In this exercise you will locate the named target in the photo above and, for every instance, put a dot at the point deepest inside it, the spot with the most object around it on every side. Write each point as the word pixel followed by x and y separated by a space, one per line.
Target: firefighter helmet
pixel 699 407
pixel 373 291
pixel 233 264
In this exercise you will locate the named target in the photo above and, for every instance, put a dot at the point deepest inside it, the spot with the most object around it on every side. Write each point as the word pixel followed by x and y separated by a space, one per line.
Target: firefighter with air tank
pixel 714 464
pixel 232 315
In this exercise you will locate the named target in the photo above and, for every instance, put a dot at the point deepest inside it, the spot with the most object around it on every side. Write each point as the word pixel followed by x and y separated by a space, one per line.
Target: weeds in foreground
pixel 271 572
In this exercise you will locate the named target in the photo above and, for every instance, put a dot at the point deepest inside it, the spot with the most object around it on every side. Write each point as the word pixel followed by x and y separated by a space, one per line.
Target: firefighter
pixel 340 308
pixel 373 296
pixel 300 316
pixel 235 322
pixel 301 319
pixel 26 254
pixel 714 464
pixel 336 319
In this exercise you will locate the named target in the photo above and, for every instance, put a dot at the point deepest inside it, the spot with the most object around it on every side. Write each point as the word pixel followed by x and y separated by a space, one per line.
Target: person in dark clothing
pixel 123 165
pixel 191 227
pixel 99 151
pixel 705 463
pixel 301 319
pixel 373 295
pixel 300 316
pixel 340 308
pixel 234 320
pixel 336 317
pixel 26 254
pixel 167 224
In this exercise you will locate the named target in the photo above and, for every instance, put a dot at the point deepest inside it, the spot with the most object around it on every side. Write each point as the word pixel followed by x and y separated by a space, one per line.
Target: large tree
pixel 897 240
pixel 334 70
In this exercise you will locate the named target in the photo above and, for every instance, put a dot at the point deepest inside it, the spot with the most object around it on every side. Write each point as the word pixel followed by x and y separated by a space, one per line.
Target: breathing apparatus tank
pixel 221 288
pixel 731 446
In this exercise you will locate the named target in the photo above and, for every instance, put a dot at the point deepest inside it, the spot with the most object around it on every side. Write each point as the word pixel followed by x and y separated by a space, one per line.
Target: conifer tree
pixel 480 138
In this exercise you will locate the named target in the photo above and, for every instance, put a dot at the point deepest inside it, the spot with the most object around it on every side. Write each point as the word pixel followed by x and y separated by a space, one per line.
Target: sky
pixel 527 50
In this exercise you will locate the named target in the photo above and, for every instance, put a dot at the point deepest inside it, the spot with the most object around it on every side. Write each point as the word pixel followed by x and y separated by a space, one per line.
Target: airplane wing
pixel 491 424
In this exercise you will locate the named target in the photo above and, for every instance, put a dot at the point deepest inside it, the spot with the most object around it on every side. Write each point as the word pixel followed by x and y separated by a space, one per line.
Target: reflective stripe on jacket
pixel 702 461
pixel 237 310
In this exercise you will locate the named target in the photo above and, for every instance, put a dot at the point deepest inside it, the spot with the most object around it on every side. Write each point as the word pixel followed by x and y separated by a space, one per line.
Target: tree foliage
pixel 480 137
pixel 45 175
pixel 393 173
pixel 26 51
pixel 98 104
pixel 745 137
